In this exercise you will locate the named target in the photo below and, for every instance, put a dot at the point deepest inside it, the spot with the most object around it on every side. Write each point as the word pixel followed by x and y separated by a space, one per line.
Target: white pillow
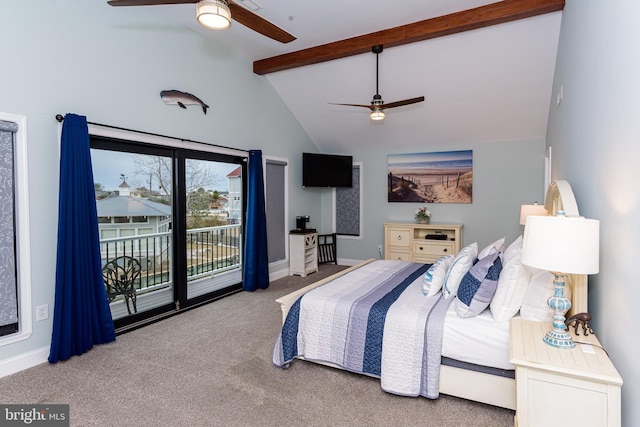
pixel 497 246
pixel 461 264
pixel 535 307
pixel 434 277
pixel 512 288
pixel 514 250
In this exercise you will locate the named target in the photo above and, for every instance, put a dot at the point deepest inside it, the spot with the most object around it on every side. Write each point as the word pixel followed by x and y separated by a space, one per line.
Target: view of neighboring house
pixel 235 195
pixel 127 215
pixel 221 204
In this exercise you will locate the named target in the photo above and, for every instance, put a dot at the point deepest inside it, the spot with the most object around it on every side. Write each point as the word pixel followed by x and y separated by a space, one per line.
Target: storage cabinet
pixel 303 253
pixel 562 387
pixel 421 242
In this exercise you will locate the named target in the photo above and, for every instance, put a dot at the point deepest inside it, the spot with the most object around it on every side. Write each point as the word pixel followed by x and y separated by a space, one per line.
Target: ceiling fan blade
pixel 351 105
pixel 148 2
pixel 404 102
pixel 238 13
pixel 258 24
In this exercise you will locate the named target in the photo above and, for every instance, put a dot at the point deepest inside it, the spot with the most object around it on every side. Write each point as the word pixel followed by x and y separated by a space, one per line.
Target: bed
pixel 472 360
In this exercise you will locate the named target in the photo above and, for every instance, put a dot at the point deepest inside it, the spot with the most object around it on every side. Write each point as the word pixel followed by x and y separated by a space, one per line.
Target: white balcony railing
pixel 209 251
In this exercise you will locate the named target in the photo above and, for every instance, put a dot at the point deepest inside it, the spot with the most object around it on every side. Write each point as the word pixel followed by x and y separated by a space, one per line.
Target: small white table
pixel 303 253
pixel 562 387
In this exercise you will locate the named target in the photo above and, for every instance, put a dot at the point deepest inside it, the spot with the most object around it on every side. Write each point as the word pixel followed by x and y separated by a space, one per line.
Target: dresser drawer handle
pixel 444 250
pixel 399 237
pixel 421 248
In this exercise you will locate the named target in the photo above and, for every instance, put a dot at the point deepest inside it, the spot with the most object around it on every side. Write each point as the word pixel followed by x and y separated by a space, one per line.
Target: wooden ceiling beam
pixel 479 17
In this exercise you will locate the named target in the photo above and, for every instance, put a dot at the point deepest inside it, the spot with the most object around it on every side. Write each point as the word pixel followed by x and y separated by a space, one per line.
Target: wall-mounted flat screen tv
pixel 326 170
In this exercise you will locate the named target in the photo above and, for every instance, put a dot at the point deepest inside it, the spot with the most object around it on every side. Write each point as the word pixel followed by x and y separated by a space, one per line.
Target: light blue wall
pixel 505 176
pixel 595 140
pixel 110 64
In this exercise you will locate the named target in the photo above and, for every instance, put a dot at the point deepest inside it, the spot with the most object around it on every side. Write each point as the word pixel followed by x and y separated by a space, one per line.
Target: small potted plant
pixel 423 215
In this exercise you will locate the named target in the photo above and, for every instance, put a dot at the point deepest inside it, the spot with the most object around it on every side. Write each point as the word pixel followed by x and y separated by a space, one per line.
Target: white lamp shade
pixel 527 210
pixel 562 244
pixel 214 14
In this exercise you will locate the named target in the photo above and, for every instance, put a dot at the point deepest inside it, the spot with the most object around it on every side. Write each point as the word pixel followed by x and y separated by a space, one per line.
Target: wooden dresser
pixel 409 242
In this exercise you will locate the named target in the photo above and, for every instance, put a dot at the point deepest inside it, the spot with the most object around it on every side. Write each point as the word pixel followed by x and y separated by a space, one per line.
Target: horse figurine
pixel 579 320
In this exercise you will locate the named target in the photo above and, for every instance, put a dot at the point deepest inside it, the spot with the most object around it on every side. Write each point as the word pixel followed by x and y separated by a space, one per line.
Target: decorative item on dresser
pixel 303 252
pixel 423 243
pixel 423 215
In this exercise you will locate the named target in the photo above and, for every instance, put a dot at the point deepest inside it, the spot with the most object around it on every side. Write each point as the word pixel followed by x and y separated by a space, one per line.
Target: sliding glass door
pixel 213 242
pixel 170 223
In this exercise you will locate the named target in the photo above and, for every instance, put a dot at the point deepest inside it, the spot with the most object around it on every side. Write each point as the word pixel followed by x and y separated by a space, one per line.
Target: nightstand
pixel 562 387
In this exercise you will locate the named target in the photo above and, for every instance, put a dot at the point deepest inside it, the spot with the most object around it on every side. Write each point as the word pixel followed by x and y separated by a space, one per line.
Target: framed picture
pixel 438 177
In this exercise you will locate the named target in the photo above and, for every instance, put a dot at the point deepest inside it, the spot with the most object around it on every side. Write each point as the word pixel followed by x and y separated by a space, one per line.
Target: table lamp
pixel 562 245
pixel 528 210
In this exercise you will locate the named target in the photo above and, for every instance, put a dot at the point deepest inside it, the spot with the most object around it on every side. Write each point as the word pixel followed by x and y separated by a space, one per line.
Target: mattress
pixel 479 340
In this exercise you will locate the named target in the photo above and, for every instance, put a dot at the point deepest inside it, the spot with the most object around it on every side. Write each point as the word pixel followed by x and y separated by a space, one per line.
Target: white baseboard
pixel 275 275
pixel 23 361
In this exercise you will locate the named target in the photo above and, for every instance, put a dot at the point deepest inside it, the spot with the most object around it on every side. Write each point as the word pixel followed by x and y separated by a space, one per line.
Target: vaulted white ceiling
pixel 483 85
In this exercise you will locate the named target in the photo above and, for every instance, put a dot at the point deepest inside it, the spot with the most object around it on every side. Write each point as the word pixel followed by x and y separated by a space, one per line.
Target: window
pixel 108 233
pixel 276 208
pixel 127 232
pixel 347 204
pixel 15 269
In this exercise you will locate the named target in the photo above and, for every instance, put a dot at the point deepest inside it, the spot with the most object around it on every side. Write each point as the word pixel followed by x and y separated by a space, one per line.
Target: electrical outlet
pixel 42 312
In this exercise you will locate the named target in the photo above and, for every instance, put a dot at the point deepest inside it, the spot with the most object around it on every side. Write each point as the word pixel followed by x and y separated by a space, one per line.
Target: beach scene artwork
pixel 437 177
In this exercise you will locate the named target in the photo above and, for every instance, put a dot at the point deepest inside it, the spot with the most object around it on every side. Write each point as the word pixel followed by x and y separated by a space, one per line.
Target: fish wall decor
pixel 182 99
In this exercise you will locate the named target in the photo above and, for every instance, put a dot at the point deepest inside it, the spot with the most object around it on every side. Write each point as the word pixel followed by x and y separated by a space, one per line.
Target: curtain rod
pixel 60 119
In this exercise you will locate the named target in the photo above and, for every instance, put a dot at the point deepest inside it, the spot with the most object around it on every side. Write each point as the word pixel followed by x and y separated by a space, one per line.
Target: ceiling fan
pixel 217 14
pixel 378 106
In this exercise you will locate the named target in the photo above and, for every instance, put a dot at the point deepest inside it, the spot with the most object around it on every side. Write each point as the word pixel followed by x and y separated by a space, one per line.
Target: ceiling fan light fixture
pixel 376 114
pixel 214 14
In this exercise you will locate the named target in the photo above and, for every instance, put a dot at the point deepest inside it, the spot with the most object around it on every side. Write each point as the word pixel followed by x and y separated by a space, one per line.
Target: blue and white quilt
pixel 374 320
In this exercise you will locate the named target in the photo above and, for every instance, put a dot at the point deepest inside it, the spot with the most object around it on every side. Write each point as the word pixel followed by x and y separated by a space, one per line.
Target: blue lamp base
pixel 559 339
pixel 558 336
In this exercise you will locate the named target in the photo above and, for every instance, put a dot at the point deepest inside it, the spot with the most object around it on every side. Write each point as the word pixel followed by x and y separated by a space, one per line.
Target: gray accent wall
pixel 594 135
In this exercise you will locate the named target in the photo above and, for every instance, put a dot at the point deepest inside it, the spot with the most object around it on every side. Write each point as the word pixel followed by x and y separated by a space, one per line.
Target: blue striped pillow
pixel 478 286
